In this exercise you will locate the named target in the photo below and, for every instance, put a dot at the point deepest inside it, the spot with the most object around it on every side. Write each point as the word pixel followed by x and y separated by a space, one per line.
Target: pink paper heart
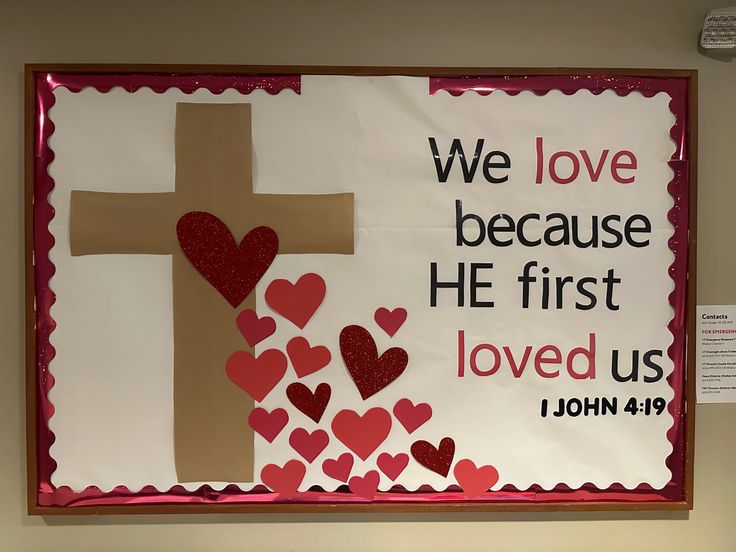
pixel 392 466
pixel 412 416
pixel 255 329
pixel 308 445
pixel 474 480
pixel 390 320
pixel 268 424
pixel 256 376
pixel 365 486
pixel 307 359
pixel 284 480
pixel 339 468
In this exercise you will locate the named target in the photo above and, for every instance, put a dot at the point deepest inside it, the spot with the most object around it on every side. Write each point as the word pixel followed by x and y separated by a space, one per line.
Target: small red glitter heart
pixel 311 404
pixel 232 269
pixel 438 459
pixel 370 372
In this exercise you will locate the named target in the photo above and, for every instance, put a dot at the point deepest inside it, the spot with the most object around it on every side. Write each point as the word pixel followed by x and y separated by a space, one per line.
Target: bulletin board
pixel 349 288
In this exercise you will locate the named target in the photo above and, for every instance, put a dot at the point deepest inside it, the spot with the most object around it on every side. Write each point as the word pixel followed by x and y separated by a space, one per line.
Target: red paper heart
pixel 439 459
pixel 365 486
pixel 370 372
pixel 268 424
pixel 232 269
pixel 390 320
pixel 311 404
pixel 256 376
pixel 392 466
pixel 362 434
pixel 296 302
pixel 411 416
pixel 255 329
pixel 339 468
pixel 474 481
pixel 308 445
pixel 305 359
pixel 286 480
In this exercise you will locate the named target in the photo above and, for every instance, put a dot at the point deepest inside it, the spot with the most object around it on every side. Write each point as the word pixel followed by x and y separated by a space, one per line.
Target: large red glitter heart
pixel 232 269
pixel 311 404
pixel 438 459
pixel 370 372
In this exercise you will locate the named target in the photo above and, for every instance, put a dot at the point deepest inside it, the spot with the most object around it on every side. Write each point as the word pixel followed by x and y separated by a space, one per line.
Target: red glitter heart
pixel 286 480
pixel 232 269
pixel 439 459
pixel 311 404
pixel 370 372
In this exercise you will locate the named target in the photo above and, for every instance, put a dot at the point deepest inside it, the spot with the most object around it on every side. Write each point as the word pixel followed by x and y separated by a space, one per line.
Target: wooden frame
pixel 32 382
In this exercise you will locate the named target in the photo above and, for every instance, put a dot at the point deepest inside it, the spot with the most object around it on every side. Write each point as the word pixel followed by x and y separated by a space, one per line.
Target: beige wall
pixel 643 33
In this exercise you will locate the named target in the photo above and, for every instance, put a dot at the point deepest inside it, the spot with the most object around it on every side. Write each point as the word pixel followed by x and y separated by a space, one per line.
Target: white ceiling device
pixel 719 31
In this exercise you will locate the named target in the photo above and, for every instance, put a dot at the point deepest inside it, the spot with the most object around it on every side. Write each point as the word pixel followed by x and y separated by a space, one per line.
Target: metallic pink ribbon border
pixel 50 496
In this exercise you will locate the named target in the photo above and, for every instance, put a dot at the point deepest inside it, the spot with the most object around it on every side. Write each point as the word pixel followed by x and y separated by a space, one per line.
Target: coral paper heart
pixel 339 468
pixel 392 466
pixel 362 434
pixel 412 416
pixel 256 376
pixel 306 359
pixel 311 404
pixel 232 269
pixel 286 480
pixel 268 424
pixel 390 320
pixel 438 459
pixel 308 445
pixel 365 486
pixel 255 329
pixel 296 302
pixel 473 480
pixel 370 372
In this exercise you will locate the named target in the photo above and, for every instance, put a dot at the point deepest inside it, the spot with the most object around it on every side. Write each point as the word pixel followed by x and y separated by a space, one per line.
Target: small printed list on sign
pixel 716 353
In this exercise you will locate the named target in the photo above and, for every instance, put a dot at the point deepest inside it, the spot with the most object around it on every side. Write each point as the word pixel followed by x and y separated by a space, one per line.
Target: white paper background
pixel 113 368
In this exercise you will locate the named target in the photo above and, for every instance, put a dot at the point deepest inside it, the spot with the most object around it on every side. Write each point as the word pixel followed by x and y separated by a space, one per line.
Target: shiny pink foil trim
pixel 43 241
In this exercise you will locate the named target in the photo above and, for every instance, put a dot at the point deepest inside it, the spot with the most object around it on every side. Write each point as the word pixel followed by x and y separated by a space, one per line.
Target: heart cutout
pixel 232 269
pixel 390 320
pixel 339 468
pixel 307 359
pixel 474 480
pixel 365 486
pixel 284 480
pixel 255 329
pixel 362 434
pixel 296 302
pixel 437 459
pixel 308 445
pixel 268 424
pixel 392 466
pixel 256 376
pixel 370 372
pixel 311 404
pixel 412 416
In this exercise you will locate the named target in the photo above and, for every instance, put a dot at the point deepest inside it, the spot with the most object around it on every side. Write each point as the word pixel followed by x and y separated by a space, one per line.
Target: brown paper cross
pixel 212 440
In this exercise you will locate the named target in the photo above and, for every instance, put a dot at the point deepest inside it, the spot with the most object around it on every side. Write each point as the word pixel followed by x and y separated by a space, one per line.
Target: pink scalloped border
pixel 43 241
